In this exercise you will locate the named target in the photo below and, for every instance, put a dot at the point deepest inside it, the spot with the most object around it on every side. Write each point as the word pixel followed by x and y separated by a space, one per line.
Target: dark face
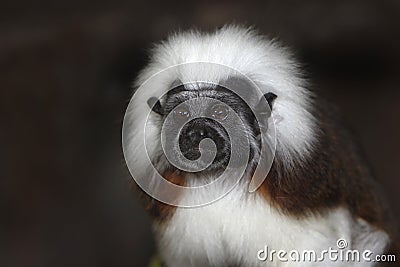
pixel 205 113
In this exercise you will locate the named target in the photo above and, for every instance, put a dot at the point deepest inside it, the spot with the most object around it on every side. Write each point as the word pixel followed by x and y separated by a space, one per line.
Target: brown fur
pixel 159 211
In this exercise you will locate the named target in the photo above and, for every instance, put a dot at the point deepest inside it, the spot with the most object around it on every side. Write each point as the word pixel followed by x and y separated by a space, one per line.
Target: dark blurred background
pixel 66 69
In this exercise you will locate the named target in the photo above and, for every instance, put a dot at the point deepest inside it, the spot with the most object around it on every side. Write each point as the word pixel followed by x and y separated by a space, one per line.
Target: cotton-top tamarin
pixel 318 190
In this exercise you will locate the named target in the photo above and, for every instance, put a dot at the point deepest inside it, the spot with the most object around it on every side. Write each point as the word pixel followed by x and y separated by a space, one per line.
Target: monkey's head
pixel 209 103
pixel 191 115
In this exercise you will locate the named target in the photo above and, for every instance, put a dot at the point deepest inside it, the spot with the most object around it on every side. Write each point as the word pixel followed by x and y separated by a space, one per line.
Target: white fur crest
pixel 263 61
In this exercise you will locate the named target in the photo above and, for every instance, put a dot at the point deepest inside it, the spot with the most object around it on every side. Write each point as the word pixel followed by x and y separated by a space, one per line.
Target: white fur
pixel 233 230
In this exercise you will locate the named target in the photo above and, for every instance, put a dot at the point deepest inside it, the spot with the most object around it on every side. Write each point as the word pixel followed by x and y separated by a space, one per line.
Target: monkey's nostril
pixel 196 135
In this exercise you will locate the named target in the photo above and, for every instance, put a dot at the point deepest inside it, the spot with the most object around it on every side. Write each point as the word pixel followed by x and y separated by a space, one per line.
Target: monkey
pixel 221 104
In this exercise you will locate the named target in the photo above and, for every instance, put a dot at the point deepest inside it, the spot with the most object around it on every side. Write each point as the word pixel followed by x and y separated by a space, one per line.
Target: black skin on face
pixel 180 94
pixel 201 128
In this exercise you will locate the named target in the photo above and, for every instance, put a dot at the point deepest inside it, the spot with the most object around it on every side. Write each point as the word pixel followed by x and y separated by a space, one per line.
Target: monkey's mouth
pixel 192 153
pixel 221 159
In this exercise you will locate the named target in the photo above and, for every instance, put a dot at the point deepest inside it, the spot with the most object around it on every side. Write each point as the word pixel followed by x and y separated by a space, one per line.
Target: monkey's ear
pixel 155 105
pixel 270 97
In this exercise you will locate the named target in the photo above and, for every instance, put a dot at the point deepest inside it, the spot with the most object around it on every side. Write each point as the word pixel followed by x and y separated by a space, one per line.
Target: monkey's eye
pixel 219 112
pixel 182 113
